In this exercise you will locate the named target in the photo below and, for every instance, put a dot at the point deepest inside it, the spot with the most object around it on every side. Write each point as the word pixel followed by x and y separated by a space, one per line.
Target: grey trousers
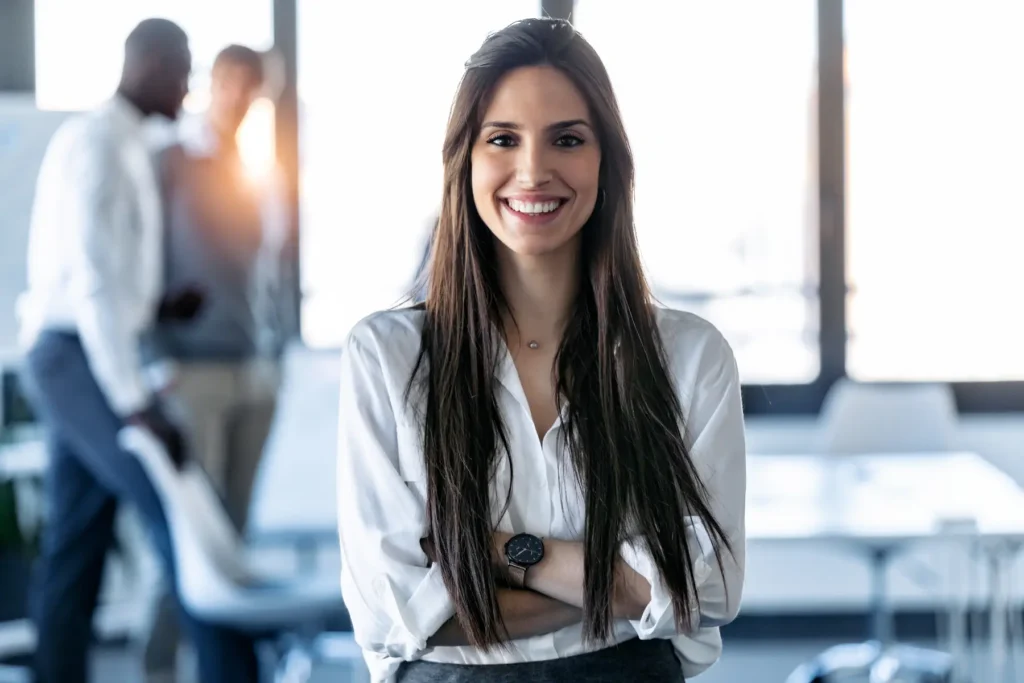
pixel 639 661
pixel 226 410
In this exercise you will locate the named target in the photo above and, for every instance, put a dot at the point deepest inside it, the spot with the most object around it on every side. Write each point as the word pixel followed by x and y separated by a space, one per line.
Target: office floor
pixel 763 662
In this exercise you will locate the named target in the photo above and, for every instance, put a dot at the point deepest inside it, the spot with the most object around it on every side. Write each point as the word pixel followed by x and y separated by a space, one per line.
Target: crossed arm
pixel 553 598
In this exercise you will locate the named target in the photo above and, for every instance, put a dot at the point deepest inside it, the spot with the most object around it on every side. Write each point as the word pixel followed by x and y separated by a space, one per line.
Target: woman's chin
pixel 534 244
pixel 535 248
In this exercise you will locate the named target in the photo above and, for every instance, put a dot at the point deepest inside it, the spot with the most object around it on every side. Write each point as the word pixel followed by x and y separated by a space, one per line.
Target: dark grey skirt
pixel 639 661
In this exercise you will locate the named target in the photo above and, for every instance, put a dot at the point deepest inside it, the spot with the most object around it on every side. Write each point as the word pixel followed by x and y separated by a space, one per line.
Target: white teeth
pixel 533 207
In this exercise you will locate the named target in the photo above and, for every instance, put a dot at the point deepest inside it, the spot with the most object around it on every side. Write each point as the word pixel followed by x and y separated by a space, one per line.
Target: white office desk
pixel 880 499
pixel 882 504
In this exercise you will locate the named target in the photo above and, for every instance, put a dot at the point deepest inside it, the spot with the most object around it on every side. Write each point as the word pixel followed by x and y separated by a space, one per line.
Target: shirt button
pixel 379 584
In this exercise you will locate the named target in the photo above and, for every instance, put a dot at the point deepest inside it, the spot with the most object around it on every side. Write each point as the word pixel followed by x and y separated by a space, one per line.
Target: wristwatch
pixel 522 552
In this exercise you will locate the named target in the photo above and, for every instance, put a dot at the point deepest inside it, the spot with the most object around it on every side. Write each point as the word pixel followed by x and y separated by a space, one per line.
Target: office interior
pixel 835 184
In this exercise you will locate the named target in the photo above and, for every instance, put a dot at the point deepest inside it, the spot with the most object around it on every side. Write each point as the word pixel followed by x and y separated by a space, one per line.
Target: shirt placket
pixel 537 459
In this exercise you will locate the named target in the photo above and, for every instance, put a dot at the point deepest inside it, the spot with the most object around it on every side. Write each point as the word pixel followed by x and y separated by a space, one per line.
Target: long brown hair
pixel 624 428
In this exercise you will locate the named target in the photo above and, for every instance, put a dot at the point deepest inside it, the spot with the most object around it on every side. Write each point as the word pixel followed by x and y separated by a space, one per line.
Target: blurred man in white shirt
pixel 224 231
pixel 95 276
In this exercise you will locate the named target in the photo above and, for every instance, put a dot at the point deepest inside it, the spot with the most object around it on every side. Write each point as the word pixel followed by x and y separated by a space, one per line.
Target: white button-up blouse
pixel 397 599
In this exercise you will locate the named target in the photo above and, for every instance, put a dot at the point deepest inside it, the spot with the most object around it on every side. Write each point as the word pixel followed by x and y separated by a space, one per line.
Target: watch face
pixel 525 550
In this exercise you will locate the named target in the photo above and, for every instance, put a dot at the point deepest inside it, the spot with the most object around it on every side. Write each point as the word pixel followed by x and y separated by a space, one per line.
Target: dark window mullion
pixel 17 46
pixel 831 191
pixel 831 146
pixel 286 41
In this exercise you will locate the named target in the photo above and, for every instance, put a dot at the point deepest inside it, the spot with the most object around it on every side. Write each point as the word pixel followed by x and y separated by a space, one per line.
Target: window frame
pixel 759 399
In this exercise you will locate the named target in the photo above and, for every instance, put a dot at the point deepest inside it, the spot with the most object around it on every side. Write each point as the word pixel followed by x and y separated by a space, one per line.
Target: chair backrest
pixel 887 418
pixel 295 485
pixel 209 555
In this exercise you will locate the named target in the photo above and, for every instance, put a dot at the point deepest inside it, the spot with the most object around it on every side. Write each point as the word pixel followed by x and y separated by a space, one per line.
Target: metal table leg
pixel 882 628
pixel 998 611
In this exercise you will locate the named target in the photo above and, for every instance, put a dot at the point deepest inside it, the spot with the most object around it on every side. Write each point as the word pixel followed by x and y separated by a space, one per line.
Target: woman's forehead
pixel 536 97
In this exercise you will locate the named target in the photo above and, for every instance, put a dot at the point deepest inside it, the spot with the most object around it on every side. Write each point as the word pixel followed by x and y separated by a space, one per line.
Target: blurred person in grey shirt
pixel 224 233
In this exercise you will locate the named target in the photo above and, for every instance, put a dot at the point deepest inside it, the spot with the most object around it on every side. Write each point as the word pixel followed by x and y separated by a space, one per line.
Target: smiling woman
pixel 539 353
pixel 534 181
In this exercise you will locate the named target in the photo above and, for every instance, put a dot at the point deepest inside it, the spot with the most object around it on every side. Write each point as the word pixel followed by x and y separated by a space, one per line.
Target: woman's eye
pixel 569 140
pixel 502 140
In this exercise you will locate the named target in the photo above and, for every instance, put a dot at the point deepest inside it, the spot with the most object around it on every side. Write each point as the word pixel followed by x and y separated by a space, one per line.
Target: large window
pixel 375 91
pixel 738 126
pixel 80 43
pixel 935 222
pixel 719 105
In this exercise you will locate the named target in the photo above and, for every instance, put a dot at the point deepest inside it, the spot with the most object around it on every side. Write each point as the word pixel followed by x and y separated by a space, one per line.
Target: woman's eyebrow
pixel 509 125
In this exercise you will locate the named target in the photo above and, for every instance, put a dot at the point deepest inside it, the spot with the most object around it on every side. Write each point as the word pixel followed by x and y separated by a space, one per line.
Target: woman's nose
pixel 533 165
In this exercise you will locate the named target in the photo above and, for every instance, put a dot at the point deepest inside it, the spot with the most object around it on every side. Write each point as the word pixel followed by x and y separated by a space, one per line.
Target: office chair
pixel 867 417
pixel 215 579
pixel 871 663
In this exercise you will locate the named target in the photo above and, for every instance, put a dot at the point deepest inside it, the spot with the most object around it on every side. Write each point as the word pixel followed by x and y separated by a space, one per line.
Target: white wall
pixel 24 134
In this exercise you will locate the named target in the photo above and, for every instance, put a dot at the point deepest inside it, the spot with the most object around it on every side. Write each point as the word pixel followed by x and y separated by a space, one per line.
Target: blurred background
pixel 835 184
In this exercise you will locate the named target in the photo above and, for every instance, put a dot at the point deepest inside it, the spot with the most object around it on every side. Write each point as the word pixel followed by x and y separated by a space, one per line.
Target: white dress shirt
pixel 94 255
pixel 397 599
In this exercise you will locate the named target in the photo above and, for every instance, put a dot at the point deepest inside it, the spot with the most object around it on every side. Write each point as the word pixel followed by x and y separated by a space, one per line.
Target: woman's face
pixel 536 162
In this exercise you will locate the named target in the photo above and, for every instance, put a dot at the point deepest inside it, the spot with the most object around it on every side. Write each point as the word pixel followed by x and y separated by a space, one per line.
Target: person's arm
pixel 560 576
pixel 104 236
pixel 525 613
pixel 715 420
